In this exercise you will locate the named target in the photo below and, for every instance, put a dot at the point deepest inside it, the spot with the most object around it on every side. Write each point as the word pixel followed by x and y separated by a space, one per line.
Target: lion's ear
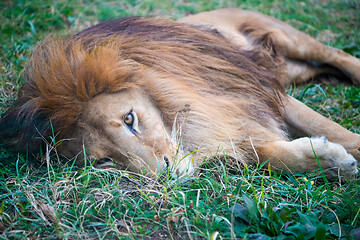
pixel 23 128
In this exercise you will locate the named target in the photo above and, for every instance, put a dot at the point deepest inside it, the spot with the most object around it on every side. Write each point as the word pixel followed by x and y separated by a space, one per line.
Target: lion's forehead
pixel 105 108
pixel 112 104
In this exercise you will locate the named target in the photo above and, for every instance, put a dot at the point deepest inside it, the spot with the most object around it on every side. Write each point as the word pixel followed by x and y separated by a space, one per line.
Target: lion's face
pixel 127 128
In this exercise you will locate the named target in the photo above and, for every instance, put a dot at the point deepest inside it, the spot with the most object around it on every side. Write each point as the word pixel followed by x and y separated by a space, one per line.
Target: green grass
pixel 48 200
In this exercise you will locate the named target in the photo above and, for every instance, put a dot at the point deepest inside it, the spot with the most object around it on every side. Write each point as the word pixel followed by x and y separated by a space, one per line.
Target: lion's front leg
pixel 300 155
pixel 306 122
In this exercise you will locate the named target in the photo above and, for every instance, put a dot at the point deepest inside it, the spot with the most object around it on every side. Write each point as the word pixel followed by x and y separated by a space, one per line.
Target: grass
pixel 48 200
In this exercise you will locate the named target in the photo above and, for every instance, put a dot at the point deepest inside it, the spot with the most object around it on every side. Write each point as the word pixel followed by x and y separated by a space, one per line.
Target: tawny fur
pixel 222 97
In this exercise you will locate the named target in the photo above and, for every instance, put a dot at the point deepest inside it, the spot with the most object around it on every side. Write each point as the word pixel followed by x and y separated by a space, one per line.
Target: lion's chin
pixel 183 168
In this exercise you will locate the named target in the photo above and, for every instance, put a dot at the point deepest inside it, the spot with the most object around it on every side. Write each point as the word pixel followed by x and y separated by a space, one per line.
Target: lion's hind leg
pixel 250 29
pixel 299 49
pixel 301 155
pixel 302 71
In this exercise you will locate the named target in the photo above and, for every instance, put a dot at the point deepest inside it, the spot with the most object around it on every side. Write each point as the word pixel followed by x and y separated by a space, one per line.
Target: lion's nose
pixel 167 162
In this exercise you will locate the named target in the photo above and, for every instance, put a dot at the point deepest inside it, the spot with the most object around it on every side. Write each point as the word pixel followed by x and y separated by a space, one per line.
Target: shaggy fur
pixel 217 96
pixel 64 74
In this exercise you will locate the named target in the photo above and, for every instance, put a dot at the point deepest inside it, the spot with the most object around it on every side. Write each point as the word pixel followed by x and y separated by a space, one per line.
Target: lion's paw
pixel 333 157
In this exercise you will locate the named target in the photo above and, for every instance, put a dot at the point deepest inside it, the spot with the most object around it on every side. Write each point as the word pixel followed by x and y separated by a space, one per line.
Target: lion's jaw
pixel 127 128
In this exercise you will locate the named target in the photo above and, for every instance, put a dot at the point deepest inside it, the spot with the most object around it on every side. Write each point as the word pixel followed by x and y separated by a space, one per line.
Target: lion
pixel 156 96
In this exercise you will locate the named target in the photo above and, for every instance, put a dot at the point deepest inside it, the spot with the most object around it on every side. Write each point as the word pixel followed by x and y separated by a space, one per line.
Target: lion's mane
pixel 222 90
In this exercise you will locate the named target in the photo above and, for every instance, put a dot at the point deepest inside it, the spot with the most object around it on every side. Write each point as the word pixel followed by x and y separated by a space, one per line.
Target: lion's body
pixel 202 90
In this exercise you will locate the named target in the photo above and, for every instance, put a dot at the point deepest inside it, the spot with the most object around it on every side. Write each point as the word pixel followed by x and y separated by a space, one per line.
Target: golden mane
pixel 199 65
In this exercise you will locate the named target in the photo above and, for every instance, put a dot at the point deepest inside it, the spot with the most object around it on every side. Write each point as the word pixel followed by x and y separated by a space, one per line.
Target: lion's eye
pixel 129 119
